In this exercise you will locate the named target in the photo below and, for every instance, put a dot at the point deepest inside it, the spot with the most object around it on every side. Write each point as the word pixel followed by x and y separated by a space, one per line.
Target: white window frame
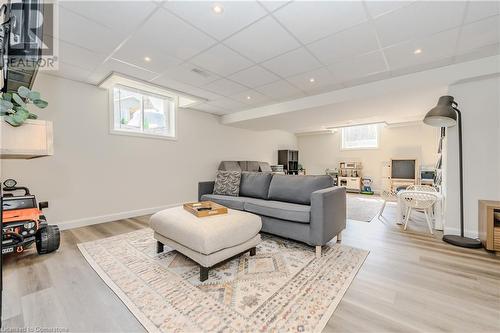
pixel 172 114
pixel 342 138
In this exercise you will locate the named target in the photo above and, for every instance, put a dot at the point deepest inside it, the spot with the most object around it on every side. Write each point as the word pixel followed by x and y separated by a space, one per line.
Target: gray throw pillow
pixel 227 183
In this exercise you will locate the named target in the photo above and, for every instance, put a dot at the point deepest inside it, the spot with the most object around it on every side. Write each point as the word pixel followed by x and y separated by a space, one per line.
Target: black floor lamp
pixel 446 114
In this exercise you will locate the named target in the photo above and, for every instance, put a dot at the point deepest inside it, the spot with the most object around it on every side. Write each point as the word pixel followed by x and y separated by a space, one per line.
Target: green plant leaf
pixel 18 100
pixel 40 103
pixel 3 113
pixel 23 91
pixel 32 116
pixel 5 105
pixel 14 120
pixel 33 95
pixel 7 97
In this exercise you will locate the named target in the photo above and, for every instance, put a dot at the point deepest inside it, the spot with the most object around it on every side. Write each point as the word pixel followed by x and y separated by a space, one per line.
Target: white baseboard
pixel 111 217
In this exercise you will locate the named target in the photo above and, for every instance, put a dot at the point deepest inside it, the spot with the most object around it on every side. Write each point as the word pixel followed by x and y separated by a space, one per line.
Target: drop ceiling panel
pixel 236 15
pixel 113 65
pixel 228 104
pixel 80 31
pixel 224 87
pixel 273 5
pixel 479 34
pixel 70 71
pixel 321 77
pixel 292 63
pixel 262 40
pixel 221 60
pixel 377 8
pixel 255 99
pixel 326 17
pixel 190 74
pixel 418 20
pixel 358 67
pixel 254 76
pixel 163 38
pixel 436 47
pixel 353 41
pixel 478 10
pixel 80 57
pixel 120 16
pixel 280 90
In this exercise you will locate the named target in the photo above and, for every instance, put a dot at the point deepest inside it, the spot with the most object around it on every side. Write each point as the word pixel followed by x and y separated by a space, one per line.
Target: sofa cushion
pixel 227 183
pixel 255 184
pixel 297 189
pixel 280 210
pixel 225 200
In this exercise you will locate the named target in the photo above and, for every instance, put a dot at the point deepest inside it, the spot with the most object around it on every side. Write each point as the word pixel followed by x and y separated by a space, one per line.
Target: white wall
pixel 318 152
pixel 95 176
pixel 479 102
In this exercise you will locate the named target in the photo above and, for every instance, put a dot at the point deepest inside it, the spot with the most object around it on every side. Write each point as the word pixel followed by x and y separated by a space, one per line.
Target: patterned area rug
pixel 363 207
pixel 283 288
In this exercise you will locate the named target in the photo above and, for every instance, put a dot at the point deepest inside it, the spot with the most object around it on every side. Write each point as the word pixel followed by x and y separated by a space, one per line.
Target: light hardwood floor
pixel 411 281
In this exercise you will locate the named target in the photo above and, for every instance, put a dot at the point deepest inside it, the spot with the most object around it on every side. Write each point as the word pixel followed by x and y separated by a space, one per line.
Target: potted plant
pixel 34 138
pixel 13 106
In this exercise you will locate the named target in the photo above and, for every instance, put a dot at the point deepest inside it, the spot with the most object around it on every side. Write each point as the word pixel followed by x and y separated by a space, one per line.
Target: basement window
pixel 139 112
pixel 360 137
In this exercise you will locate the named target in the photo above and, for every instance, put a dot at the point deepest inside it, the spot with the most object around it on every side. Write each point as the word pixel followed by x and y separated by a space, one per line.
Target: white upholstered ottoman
pixel 207 240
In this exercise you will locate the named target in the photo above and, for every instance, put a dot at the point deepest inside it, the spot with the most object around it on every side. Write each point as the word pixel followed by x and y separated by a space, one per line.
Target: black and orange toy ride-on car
pixel 23 222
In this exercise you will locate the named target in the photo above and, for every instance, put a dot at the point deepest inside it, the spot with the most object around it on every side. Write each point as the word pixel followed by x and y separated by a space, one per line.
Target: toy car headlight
pixel 29 225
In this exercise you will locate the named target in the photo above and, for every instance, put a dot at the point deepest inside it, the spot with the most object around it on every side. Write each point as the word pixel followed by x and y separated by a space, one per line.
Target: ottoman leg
pixel 253 251
pixel 203 273
pixel 159 247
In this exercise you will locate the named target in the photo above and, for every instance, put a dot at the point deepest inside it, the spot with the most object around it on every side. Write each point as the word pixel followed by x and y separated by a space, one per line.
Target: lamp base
pixel 456 240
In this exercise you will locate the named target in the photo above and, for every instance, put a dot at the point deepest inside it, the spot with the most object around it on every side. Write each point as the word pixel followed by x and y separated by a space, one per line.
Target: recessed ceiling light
pixel 147 59
pixel 417 51
pixel 248 97
pixel 217 9
pixel 312 80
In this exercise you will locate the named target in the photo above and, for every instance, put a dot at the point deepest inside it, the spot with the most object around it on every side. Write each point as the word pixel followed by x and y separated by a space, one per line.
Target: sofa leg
pixel 318 251
pixel 339 237
pixel 203 273
pixel 253 251
pixel 159 247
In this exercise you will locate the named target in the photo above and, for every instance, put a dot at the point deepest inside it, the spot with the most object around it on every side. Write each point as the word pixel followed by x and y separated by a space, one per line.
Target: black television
pixel 404 169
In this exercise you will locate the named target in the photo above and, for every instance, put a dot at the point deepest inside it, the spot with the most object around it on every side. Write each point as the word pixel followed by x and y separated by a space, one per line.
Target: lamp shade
pixel 443 114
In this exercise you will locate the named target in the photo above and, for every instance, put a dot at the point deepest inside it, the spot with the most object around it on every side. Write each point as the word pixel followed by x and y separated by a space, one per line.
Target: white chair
pixel 387 195
pixel 421 188
pixel 420 201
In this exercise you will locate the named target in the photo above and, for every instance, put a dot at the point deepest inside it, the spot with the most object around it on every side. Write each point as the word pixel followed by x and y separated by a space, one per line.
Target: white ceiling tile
pixel 482 52
pixel 311 20
pixel 479 34
pixel 358 67
pixel 280 90
pixel 322 77
pixel 70 71
pixel 273 5
pixel 254 76
pixel 377 8
pixel 113 65
pixel 262 40
pixel 206 107
pixel 236 15
pixel 184 73
pixel 224 87
pixel 221 60
pixel 418 20
pixel 478 10
pixel 77 56
pixel 435 47
pixel 292 63
pixel 80 31
pixel 121 16
pixel 256 98
pixel 165 39
pixel 354 41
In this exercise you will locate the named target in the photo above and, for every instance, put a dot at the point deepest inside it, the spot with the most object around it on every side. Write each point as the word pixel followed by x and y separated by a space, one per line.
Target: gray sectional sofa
pixel 304 208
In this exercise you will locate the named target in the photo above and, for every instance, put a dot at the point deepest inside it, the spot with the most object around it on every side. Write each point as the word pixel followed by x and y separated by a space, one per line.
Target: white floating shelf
pixel 32 139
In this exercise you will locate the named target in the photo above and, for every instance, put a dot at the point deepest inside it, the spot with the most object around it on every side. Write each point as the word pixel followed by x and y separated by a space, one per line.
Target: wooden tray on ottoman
pixel 208 208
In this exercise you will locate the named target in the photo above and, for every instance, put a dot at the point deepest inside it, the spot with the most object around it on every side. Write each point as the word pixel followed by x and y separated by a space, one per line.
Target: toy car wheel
pixel 47 239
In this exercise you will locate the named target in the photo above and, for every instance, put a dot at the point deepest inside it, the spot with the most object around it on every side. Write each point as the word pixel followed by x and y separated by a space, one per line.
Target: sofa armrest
pixel 328 214
pixel 205 188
